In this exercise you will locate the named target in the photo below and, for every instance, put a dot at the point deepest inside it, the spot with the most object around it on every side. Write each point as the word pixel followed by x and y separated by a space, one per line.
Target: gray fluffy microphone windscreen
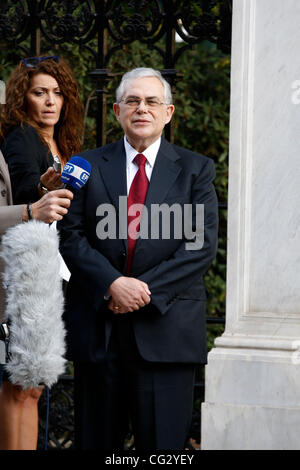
pixel 34 305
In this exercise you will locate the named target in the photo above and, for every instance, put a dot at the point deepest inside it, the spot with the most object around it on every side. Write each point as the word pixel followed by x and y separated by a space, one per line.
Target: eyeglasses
pixel 135 102
pixel 34 61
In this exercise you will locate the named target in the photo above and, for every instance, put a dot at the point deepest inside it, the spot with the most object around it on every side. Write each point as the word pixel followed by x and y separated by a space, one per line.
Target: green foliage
pixel 202 106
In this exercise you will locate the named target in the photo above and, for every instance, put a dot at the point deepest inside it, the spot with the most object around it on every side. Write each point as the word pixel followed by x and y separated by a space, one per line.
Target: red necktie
pixel 137 195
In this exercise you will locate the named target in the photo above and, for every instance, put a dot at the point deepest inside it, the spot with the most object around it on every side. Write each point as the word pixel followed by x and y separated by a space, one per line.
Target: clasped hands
pixel 128 294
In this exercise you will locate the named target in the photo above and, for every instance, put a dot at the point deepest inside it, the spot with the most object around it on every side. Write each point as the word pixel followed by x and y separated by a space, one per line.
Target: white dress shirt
pixel 131 168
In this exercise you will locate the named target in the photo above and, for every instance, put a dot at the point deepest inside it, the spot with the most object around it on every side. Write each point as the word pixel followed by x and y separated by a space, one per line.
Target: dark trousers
pixel 154 399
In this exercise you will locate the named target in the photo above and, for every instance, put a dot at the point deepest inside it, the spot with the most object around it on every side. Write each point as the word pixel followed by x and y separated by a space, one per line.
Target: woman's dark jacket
pixel 27 158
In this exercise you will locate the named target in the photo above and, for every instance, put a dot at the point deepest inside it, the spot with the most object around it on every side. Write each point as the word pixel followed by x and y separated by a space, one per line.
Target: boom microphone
pixel 76 172
pixel 34 305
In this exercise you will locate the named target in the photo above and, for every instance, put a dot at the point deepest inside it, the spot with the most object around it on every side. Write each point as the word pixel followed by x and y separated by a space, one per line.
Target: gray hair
pixel 140 73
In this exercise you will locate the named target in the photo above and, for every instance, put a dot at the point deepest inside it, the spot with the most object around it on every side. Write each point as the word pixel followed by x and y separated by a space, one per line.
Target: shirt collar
pixel 150 152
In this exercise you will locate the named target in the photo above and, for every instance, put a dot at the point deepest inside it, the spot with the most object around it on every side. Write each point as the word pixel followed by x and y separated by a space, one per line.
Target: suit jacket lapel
pixel 112 165
pixel 164 175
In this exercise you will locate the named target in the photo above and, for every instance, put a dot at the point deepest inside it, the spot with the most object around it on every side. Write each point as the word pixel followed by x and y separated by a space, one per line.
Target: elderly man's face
pixel 143 124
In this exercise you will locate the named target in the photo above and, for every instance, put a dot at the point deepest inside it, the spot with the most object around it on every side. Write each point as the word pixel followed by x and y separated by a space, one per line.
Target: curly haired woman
pixel 42 118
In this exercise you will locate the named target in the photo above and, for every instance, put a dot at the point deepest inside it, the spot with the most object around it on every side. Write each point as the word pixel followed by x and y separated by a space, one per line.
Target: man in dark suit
pixel 135 309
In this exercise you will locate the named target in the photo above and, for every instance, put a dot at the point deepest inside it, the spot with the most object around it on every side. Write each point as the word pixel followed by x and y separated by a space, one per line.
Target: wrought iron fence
pixel 35 26
pixel 152 22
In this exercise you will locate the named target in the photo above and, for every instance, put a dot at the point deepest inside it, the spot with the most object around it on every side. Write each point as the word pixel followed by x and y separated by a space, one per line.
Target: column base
pixel 252 395
pixel 244 427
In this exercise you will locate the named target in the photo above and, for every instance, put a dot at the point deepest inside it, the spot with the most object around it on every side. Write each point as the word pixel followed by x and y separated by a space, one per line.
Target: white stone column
pixel 252 396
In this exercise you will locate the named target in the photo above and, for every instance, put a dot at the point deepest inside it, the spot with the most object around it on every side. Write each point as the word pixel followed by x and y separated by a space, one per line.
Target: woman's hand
pixel 51 179
pixel 52 206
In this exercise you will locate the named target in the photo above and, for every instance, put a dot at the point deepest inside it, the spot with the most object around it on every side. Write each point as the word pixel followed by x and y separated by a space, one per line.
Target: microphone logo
pixel 84 176
pixel 76 172
pixel 68 168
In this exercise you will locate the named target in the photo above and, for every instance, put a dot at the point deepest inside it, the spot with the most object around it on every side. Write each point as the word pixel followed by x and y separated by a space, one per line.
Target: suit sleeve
pixel 88 266
pixel 176 274
pixel 10 216
pixel 22 153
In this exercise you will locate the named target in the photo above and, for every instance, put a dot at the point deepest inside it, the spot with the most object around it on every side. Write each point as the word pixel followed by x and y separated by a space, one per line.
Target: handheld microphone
pixel 76 172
